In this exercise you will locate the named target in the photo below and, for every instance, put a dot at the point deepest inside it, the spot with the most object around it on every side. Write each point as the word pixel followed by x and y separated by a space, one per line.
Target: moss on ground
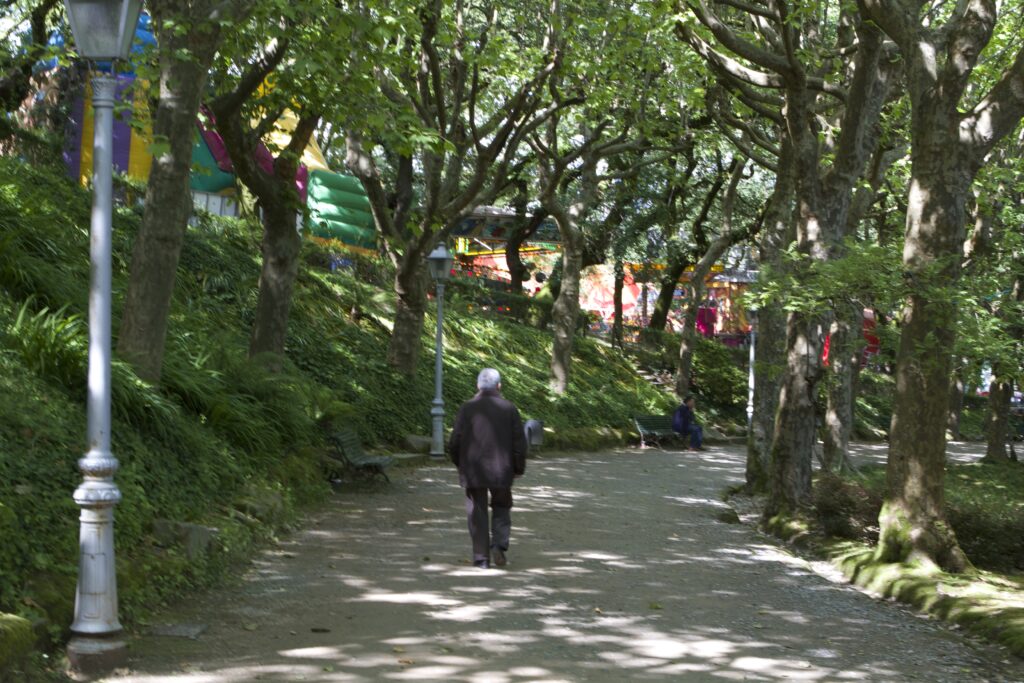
pixel 988 604
pixel 985 506
pixel 16 641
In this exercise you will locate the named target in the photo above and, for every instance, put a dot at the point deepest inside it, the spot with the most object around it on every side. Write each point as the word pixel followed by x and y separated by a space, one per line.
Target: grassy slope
pixel 220 442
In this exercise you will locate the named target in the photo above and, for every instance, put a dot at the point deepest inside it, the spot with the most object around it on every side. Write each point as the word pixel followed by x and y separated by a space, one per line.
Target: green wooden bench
pixel 654 428
pixel 348 450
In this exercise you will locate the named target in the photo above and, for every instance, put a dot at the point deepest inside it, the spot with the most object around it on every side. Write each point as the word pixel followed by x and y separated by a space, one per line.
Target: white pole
pixel 750 378
pixel 437 406
pixel 96 642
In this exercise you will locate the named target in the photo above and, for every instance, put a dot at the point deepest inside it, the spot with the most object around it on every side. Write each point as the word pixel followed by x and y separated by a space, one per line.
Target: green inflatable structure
pixel 339 210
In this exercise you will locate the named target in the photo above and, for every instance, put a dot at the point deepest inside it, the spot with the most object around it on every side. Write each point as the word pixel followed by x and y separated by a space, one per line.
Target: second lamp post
pixel 440 264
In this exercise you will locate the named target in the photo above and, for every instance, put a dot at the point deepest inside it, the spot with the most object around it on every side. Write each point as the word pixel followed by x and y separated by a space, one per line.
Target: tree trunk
pixel 168 205
pixel 956 406
pixel 525 228
pixel 794 435
pixel 770 338
pixel 912 521
pixel 844 359
pixel 410 305
pixel 620 281
pixel 516 268
pixel 1000 393
pixel 666 292
pixel 281 246
pixel 684 367
pixel 769 366
pixel 565 314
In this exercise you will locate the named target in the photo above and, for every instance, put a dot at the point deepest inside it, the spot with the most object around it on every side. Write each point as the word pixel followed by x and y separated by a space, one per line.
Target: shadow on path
pixel 619 571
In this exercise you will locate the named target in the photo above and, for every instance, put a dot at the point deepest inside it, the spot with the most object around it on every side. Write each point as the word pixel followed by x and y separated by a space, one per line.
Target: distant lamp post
pixel 752 317
pixel 440 263
pixel 103 31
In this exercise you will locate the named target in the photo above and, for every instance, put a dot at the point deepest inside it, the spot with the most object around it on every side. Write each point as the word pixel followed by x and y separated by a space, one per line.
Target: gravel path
pixel 619 571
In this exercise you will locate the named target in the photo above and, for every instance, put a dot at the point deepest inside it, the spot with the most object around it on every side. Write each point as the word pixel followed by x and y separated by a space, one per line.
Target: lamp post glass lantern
pixel 440 264
pixel 103 30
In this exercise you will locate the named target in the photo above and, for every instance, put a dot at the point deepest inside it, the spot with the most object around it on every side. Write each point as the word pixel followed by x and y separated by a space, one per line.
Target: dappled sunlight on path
pixel 619 571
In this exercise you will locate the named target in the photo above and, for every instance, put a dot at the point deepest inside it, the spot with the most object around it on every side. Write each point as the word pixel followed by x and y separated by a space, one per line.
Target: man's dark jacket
pixel 488 444
pixel 682 419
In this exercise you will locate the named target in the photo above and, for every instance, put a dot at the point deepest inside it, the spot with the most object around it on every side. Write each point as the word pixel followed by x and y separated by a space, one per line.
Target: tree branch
pixel 997 115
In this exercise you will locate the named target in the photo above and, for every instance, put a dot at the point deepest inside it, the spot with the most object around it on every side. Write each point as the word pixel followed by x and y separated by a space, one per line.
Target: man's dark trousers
pixel 484 535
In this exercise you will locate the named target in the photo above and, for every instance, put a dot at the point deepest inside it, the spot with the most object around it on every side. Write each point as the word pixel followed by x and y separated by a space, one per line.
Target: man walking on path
pixel 683 423
pixel 489 448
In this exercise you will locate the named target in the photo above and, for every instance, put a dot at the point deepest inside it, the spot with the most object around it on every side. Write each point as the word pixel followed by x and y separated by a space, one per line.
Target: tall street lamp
pixel 440 264
pixel 103 30
pixel 752 317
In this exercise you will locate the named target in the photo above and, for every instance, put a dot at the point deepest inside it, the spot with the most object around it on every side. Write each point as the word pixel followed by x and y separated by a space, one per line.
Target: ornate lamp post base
pixel 96 654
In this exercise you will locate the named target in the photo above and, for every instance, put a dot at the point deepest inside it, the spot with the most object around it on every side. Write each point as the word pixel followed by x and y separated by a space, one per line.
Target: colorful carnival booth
pixel 338 209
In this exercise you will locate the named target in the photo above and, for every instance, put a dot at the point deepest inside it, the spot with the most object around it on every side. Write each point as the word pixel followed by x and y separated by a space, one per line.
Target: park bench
pixel 348 451
pixel 654 428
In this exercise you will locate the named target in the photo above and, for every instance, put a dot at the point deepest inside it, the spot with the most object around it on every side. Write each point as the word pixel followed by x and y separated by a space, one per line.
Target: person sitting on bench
pixel 683 424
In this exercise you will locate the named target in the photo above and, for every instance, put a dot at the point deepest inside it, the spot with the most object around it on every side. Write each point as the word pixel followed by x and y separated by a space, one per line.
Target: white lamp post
pixel 752 317
pixel 103 30
pixel 440 263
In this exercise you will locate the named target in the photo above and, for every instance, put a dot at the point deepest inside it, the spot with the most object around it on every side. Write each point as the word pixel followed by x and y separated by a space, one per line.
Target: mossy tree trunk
pixel 948 148
pixel 1000 392
pixel 184 61
pixel 844 361
pixel 769 368
pixel 410 308
pixel 280 267
pixel 770 339
pixel 566 310
pixel 677 264
pixel 681 255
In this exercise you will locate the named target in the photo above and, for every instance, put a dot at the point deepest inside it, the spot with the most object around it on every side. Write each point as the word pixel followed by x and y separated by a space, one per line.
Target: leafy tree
pixel 458 89
pixel 281 61
pixel 613 62
pixel 799 44
pixel 726 238
pixel 17 62
pixel 957 118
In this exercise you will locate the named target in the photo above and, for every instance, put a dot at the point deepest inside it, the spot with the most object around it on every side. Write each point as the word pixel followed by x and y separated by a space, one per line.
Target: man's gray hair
pixel 488 379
